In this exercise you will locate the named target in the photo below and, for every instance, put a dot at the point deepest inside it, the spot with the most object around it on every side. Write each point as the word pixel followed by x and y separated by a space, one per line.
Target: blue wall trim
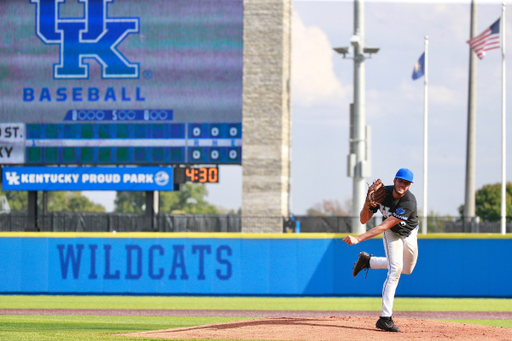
pixel 244 266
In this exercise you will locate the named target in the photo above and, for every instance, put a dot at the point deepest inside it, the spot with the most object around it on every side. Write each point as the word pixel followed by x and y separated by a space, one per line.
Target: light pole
pixel 359 158
pixel 469 199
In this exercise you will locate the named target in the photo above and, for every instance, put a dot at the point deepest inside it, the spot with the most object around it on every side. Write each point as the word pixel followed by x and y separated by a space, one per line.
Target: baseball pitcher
pixel 400 237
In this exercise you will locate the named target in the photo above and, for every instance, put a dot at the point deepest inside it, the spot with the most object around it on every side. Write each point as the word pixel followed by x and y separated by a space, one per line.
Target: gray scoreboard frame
pixel 266 115
pixel 121 83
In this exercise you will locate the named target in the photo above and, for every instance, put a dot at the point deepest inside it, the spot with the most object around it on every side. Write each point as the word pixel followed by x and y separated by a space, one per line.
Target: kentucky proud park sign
pixel 87 178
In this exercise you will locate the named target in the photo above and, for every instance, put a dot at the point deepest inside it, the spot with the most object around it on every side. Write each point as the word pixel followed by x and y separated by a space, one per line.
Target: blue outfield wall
pixel 235 264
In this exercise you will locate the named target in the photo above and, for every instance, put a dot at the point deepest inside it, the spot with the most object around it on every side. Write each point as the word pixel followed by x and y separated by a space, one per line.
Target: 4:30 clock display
pixel 202 174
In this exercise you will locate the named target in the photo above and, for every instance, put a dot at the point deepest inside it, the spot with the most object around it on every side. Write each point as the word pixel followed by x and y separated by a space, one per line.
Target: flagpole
pixel 503 128
pixel 424 226
pixel 469 197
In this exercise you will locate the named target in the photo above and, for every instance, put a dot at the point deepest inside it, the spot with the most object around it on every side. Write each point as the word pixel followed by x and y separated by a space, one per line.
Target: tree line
pixel 487 204
pixel 191 199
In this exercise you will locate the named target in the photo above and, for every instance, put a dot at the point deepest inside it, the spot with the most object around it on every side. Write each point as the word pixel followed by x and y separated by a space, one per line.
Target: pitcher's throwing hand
pixel 351 240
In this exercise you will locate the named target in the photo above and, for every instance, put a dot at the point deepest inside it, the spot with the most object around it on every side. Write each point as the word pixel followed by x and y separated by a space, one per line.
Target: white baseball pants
pixel 401 257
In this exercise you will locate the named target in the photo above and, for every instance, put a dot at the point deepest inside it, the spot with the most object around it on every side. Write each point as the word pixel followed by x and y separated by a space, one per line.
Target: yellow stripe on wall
pixel 220 235
pixel 225 235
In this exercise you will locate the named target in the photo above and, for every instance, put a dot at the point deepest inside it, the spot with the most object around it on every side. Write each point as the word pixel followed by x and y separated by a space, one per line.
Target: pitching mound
pixel 332 328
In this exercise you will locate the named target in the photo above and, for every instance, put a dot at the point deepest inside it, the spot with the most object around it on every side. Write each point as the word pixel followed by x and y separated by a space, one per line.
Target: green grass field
pixel 250 303
pixel 34 327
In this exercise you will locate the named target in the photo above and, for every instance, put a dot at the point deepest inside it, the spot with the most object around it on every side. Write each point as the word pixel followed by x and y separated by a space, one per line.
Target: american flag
pixel 487 40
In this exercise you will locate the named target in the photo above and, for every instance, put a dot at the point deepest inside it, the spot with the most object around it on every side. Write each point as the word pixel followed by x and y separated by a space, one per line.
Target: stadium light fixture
pixel 342 50
pixel 371 50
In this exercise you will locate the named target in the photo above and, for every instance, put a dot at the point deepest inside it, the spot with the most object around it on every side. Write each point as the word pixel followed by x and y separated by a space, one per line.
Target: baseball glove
pixel 376 193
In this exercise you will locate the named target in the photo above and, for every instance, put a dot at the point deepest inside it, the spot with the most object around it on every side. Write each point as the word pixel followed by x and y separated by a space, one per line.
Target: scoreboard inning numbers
pixel 140 143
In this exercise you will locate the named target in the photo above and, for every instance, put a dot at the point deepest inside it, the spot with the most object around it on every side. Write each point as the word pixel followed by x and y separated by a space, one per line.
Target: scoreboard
pixel 130 143
pixel 121 83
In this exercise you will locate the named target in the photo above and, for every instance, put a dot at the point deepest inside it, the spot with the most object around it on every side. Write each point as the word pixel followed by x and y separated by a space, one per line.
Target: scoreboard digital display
pixel 131 143
pixel 196 174
pixel 124 82
pixel 202 175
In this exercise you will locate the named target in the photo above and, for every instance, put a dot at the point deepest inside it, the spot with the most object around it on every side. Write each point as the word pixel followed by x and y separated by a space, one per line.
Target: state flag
pixel 419 68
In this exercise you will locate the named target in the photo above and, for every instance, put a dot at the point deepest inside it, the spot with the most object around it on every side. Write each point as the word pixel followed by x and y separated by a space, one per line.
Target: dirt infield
pixel 308 325
pixel 332 328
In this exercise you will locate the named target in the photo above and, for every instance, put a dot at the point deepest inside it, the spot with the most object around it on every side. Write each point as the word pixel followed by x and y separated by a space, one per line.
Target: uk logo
pixel 95 36
pixel 12 178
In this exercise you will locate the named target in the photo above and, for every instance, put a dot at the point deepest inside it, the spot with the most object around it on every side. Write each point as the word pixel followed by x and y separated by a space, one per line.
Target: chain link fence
pixel 119 222
pixel 329 224
pixel 127 222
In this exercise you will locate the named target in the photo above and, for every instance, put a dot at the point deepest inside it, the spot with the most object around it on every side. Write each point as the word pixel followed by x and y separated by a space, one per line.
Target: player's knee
pixel 408 269
pixel 397 268
pixel 394 273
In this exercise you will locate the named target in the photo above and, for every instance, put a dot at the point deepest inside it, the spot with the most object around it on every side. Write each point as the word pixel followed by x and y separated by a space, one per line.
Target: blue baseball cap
pixel 405 174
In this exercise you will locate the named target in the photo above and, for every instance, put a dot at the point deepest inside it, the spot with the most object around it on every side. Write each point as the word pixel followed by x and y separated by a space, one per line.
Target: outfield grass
pixel 57 328
pixel 94 328
pixel 250 303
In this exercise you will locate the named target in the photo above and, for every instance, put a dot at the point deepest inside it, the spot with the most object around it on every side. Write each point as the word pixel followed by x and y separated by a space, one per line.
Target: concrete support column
pixel 266 112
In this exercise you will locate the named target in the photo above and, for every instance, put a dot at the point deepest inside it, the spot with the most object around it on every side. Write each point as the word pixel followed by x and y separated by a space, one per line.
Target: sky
pixel 322 92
